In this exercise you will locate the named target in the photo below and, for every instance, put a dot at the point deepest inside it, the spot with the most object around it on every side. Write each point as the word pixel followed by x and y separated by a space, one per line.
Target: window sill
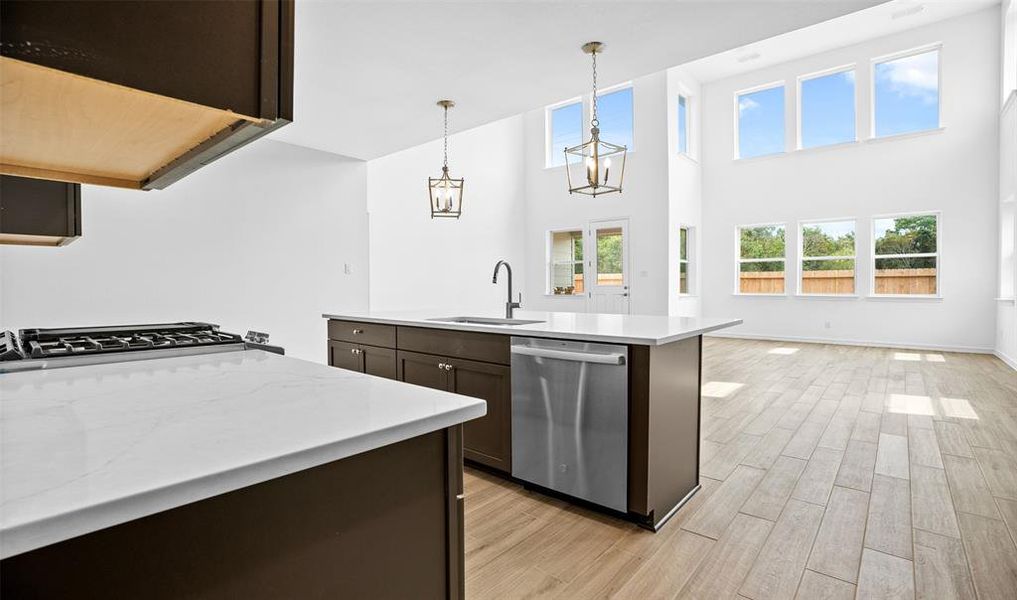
pixel 906 135
pixel 681 295
pixel 583 295
pixel 1009 300
pixel 759 295
pixel 906 297
pixel 762 157
pixel 826 147
pixel 829 296
pixel 686 156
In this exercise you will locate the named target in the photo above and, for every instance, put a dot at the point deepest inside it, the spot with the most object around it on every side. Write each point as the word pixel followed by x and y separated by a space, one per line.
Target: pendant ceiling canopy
pixel 602 162
pixel 445 192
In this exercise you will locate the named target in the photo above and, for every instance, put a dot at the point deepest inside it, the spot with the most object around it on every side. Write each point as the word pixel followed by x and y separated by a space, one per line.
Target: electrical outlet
pixel 826 324
pixel 347 268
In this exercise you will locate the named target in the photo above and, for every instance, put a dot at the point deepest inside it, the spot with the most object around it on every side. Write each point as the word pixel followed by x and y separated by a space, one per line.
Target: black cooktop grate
pixel 80 341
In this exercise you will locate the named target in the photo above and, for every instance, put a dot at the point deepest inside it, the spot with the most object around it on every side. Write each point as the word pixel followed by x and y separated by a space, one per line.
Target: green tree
pixel 609 253
pixel 909 235
pixel 762 242
pixel 816 242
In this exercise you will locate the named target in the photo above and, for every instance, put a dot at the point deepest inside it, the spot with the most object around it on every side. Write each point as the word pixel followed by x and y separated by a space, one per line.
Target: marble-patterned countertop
pixel 88 447
pixel 650 330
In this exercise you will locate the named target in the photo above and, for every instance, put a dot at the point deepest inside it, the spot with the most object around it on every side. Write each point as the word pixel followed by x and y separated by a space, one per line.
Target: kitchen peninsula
pixel 604 408
pixel 240 474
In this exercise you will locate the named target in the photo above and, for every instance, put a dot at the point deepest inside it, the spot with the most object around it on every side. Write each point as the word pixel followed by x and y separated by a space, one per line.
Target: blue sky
pixel 828 109
pixel 761 122
pixel 566 130
pixel 615 114
pixel 907 94
pixel 683 135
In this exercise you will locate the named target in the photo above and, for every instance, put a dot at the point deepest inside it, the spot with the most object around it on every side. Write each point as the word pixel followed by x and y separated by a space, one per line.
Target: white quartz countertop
pixel 650 330
pixel 83 448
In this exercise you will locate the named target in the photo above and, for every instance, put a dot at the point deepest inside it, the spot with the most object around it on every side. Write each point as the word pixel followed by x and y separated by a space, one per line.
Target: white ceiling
pixel 867 24
pixel 367 74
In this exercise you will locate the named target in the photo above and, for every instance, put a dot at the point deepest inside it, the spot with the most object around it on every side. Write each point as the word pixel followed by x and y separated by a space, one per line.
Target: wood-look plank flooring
pixel 827 472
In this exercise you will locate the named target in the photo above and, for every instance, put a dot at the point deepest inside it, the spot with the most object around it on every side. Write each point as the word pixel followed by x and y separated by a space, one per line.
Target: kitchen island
pixel 237 474
pixel 478 353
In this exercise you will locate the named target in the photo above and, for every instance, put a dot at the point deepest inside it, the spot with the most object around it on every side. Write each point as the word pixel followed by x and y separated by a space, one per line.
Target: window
pixel 683 260
pixel 826 109
pixel 906 94
pixel 905 255
pixel 827 258
pixel 565 130
pixel 610 254
pixel 683 125
pixel 761 259
pixel 761 122
pixel 565 269
pixel 614 110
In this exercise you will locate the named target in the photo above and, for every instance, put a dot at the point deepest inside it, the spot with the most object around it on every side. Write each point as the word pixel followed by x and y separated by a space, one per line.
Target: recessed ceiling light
pixel 907 12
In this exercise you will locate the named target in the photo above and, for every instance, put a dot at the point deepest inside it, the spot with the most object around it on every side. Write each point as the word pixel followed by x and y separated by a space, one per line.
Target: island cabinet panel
pixel 372 334
pixel 487 440
pixel 485 347
pixel 384 524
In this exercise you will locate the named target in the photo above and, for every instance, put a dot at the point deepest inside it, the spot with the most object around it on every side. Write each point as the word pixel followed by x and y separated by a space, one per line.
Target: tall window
pixel 827 109
pixel 827 258
pixel 761 122
pixel 683 125
pixel 761 255
pixel 906 94
pixel 683 260
pixel 565 269
pixel 565 130
pixel 614 111
pixel 906 255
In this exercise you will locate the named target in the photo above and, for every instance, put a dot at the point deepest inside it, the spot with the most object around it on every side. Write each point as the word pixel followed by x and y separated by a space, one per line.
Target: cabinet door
pixel 379 361
pixel 345 356
pixel 423 369
pixel 487 440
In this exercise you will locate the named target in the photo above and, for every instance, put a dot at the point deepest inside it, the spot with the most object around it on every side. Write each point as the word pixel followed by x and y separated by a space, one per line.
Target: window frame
pixel 588 106
pixel 937 254
pixel 802 258
pixel 798 106
pixel 877 60
pixel 737 121
pixel 549 262
pixel 549 127
pixel 689 259
pixel 739 260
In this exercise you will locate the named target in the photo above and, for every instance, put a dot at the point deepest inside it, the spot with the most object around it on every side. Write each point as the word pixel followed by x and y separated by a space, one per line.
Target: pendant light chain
pixel 595 122
pixel 445 158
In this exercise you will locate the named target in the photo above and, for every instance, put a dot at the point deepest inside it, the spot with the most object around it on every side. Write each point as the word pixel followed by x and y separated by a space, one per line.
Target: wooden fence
pixel 888 281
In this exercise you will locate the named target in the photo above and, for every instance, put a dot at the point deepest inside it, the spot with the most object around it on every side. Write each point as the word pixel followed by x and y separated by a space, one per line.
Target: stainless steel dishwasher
pixel 570 418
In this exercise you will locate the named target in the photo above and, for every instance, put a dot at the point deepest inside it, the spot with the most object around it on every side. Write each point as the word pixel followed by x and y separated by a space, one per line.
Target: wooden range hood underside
pixel 65 127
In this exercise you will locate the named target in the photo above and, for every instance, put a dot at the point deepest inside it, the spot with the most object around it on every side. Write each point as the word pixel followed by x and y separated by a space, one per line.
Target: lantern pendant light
pixel 446 193
pixel 603 162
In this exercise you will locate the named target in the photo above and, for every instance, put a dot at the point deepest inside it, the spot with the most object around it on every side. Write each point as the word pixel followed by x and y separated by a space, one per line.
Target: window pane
pixel 563 279
pixel 566 262
pixel 828 276
pixel 828 109
pixel 907 94
pixel 905 276
pixel 761 277
pixel 683 278
pixel 762 242
pixel 683 243
pixel 683 125
pixel 829 239
pixel 761 122
pixel 564 245
pixel 609 256
pixel 615 113
pixel 905 235
pixel 566 131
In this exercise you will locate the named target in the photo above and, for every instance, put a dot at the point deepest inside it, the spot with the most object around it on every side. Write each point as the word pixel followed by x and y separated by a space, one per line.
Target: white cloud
pixel 912 76
pixel 849 76
pixel 746 104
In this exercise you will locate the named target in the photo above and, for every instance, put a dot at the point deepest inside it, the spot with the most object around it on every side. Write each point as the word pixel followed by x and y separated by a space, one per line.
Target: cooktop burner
pixel 81 341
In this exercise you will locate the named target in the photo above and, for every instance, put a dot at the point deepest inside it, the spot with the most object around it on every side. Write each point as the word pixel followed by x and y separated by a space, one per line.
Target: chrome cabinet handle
pixel 448 367
pixel 356 350
pixel 358 331
pixel 441 365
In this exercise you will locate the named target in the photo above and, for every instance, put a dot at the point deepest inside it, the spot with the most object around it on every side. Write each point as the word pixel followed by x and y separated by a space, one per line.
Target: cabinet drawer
pixel 486 347
pixel 371 334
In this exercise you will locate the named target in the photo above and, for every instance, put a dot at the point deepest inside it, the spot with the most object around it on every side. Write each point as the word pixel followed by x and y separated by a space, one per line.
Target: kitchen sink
pixel 485 321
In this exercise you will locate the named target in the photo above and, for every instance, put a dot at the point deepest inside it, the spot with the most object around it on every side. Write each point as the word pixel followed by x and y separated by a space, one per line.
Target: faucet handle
pixel 520 301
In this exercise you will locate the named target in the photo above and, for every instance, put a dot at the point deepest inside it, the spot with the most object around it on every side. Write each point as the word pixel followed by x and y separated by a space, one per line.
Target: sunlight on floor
pixel 935 358
pixel 783 351
pixel 720 389
pixel 908 356
pixel 910 405
pixel 957 407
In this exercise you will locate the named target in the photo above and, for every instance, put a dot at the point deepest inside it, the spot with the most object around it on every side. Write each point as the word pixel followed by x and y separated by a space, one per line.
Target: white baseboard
pixel 840 342
pixel 1010 362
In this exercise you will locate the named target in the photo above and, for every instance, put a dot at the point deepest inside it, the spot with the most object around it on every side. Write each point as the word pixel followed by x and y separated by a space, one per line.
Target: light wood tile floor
pixel 827 472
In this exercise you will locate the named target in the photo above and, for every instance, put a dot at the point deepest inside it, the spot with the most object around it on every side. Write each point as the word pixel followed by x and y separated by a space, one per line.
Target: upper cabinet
pixel 139 94
pixel 36 212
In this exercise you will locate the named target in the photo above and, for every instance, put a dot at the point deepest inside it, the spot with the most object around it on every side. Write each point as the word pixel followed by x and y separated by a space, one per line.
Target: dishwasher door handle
pixel 587 357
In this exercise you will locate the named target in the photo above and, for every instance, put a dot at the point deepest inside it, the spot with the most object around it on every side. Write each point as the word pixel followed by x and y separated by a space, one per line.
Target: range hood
pixel 138 94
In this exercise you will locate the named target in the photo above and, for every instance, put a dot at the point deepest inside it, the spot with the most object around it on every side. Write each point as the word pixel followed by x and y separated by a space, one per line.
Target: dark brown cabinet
pixel 363 359
pixel 36 212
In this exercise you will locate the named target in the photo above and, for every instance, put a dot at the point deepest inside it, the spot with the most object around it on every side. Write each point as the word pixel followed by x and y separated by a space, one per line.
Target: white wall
pixel 643 201
pixel 954 171
pixel 446 264
pixel 256 240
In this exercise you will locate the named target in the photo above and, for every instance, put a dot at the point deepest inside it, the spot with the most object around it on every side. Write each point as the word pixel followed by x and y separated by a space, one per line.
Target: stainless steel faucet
pixel 510 305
